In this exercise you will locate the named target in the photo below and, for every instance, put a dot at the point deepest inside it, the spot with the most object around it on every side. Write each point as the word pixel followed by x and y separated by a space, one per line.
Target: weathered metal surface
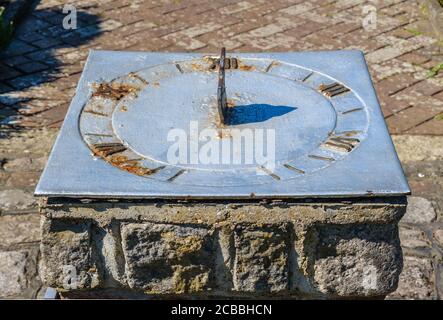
pixel 331 139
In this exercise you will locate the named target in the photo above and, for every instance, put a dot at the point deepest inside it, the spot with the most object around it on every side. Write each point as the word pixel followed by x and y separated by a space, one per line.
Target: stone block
pixel 12 272
pixel 261 258
pixel 416 280
pixel 164 258
pixel 68 256
pixel 420 210
pixel 247 249
pixel 354 260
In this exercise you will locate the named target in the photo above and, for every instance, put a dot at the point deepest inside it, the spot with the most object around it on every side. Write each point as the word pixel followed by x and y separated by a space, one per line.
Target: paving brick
pixel 394 84
pixel 40 68
pixel 414 58
pixel 390 105
pixel 8 72
pixel 12 62
pixel 430 127
pixel 410 117
pixel 425 88
pixel 31 67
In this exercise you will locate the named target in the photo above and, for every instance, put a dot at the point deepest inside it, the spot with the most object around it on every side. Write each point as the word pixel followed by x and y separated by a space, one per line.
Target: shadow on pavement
pixel 32 61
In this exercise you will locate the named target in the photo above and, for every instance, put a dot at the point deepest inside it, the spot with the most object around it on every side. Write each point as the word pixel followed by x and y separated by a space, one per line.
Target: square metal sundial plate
pixel 133 110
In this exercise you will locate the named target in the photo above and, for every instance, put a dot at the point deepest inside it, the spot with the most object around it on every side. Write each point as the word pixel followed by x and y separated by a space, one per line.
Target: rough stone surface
pixel 438 235
pixel 12 273
pixel 420 210
pixel 413 238
pixel 165 259
pixel 356 260
pixel 33 99
pixel 299 249
pixel 416 280
pixel 261 258
pixel 16 200
pixel 67 255
pixel 15 229
pixel 418 148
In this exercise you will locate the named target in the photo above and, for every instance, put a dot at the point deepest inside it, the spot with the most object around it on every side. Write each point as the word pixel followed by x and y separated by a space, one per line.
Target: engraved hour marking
pixel 179 68
pixel 320 157
pixel 107 149
pixel 348 133
pixel 98 134
pixel 333 89
pixel 96 113
pixel 136 76
pixel 268 68
pixel 351 110
pixel 307 77
pixel 155 170
pixel 175 176
pixel 234 63
pixel 288 166
pixel 341 143
pixel 267 171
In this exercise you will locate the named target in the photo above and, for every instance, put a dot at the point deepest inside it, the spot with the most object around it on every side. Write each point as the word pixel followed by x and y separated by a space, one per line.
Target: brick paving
pixel 40 68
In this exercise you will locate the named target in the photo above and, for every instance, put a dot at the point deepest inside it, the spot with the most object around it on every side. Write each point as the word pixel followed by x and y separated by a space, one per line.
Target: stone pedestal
pixel 342 248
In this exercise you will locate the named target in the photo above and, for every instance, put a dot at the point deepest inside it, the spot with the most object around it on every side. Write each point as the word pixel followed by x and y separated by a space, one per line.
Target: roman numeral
pixel 333 89
pixel 340 143
pixel 107 149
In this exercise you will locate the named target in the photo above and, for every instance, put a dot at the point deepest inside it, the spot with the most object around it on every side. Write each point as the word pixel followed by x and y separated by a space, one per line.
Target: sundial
pixel 224 125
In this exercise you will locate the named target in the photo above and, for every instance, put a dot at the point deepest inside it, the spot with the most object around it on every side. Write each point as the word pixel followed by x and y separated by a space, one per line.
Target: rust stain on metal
pixel 136 76
pixel 131 165
pixel 245 67
pixel 224 134
pixel 106 149
pixel 198 67
pixel 139 170
pixel 113 90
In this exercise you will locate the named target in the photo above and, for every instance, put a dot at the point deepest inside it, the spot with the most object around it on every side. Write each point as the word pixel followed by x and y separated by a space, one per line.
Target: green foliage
pixel 441 2
pixel 435 70
pixel 414 32
pixel 5 30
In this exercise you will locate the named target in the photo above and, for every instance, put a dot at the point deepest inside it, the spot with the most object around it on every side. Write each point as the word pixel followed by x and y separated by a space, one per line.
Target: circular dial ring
pixel 317 120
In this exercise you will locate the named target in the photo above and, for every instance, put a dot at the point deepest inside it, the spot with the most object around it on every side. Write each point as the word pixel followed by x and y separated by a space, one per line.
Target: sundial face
pixel 312 119
pixel 276 125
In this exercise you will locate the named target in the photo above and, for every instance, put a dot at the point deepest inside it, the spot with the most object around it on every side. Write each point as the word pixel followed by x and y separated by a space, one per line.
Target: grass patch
pixel 439 117
pixel 435 70
pixel 5 30
pixel 414 32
